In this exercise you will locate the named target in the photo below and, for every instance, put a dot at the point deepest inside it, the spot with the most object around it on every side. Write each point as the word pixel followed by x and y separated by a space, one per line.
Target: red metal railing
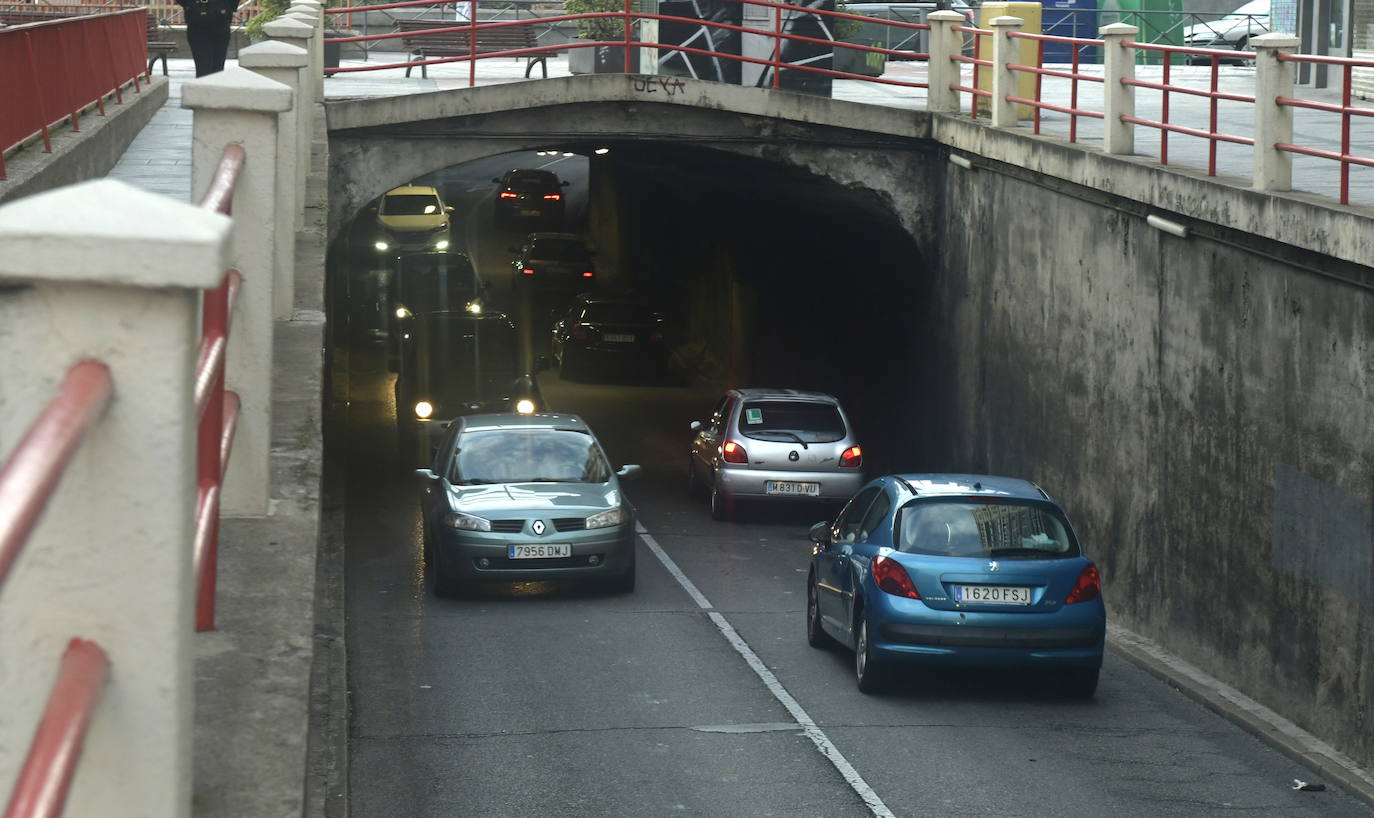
pixel 216 407
pixel 1345 110
pixel 54 70
pixel 1073 75
pixel 978 61
pixel 628 18
pixel 27 482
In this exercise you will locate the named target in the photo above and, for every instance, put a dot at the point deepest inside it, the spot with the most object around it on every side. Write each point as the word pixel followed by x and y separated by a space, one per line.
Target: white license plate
pixel 993 594
pixel 542 551
pixel 619 338
pixel 785 487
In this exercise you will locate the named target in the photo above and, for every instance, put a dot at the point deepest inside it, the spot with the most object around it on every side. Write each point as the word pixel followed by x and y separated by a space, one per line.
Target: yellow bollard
pixel 1029 50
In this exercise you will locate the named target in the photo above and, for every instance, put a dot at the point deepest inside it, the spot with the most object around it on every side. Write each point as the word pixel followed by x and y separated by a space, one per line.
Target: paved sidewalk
pixel 253 686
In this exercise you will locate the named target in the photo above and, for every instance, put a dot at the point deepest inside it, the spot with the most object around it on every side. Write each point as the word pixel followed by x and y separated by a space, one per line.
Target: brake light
pixel 852 458
pixel 656 336
pixel 553 196
pixel 587 274
pixel 506 194
pixel 734 453
pixel 892 578
pixel 529 271
pixel 578 332
pixel 1088 586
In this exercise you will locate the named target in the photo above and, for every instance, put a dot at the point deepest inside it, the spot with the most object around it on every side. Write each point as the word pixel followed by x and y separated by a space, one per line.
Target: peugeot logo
pixel 538 528
pixel 992 566
pixel 793 456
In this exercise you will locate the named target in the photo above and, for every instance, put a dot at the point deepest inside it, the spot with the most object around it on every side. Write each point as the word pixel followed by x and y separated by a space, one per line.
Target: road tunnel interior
pixel 767 274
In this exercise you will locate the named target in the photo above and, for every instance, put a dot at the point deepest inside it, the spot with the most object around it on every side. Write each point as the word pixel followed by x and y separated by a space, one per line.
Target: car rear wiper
pixel 792 435
pixel 1012 552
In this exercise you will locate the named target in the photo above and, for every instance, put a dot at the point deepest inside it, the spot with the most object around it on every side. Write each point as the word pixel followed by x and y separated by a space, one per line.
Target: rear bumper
pixel 908 631
pixel 751 484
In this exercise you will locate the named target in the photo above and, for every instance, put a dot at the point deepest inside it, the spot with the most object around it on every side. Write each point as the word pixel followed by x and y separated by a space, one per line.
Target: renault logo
pixel 793 456
pixel 992 566
pixel 538 527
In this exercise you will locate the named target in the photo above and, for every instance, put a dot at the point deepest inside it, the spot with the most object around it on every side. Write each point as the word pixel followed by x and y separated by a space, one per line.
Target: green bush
pixel 602 28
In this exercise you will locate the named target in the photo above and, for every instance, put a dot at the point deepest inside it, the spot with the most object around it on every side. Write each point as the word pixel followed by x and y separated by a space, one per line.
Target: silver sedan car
pixel 774 445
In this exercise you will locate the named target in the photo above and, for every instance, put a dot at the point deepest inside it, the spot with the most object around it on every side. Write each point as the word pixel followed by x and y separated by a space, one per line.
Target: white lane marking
pixel 818 737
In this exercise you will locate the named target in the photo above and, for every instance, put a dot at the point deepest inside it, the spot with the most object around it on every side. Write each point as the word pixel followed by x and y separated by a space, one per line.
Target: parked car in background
pixel 429 282
pixel 525 194
pixel 1231 31
pixel 956 570
pixel 774 445
pixel 609 335
pixel 457 363
pixel 523 498
pixel 412 218
pixel 558 264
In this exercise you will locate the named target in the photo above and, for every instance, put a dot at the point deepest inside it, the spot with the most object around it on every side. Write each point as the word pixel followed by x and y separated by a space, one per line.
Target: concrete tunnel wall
pixel 1203 407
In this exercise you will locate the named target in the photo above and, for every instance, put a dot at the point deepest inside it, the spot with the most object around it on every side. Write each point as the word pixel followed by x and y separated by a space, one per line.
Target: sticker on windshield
pixel 753 417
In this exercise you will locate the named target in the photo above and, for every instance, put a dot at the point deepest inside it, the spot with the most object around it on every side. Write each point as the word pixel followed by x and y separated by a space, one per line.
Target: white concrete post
pixel 315 18
pixel 282 63
pixel 106 271
pixel 1273 122
pixel 942 71
pixel 1118 64
pixel 292 31
pixel 1005 51
pixel 236 105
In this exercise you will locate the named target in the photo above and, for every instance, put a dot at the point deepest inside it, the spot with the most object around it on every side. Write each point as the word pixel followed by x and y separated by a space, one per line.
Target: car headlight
pixel 525 406
pixel 608 518
pixel 466 522
pixel 474 308
pixel 402 312
pixel 442 244
pixel 381 245
pixel 424 409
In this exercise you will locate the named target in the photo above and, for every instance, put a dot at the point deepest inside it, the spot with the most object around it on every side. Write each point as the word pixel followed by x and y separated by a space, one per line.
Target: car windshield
pixel 560 249
pixel 792 421
pixel 618 313
pixel 984 528
pixel 434 283
pixel 529 456
pixel 532 179
pixel 411 204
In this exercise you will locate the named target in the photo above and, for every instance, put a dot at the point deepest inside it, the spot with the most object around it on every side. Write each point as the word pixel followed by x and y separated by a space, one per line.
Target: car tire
pixel 566 370
pixel 816 636
pixel 1080 682
pixel 869 672
pixel 722 504
pixel 694 486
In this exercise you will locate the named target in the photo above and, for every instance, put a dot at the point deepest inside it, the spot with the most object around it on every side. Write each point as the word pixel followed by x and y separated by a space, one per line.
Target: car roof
pixel 756 392
pixel 511 420
pixel 412 190
pixel 935 484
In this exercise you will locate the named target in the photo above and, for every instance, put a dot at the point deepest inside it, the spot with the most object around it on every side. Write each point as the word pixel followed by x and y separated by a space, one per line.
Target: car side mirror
pixel 448 208
pixel 541 363
pixel 629 472
pixel 820 534
pixel 695 426
pixel 427 474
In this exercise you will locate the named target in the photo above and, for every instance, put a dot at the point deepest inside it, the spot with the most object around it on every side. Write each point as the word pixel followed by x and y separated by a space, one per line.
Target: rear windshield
pixel 790 421
pixel 529 456
pixel 434 283
pixel 982 528
pixel 410 204
pixel 533 178
pixel 559 249
pixel 618 313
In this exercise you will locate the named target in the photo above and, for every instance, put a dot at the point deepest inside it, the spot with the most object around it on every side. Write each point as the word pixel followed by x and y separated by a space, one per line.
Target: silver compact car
pixel 774 445
pixel 521 498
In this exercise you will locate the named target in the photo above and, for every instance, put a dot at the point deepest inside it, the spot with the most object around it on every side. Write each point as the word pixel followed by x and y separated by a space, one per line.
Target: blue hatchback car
pixel 956 570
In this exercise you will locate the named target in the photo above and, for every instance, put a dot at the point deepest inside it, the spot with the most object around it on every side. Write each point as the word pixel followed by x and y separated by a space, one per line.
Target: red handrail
pixel 29 478
pixel 41 790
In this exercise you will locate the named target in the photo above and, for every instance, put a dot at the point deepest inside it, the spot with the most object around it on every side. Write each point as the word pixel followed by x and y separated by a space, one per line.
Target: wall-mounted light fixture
pixel 956 159
pixel 602 151
pixel 1172 228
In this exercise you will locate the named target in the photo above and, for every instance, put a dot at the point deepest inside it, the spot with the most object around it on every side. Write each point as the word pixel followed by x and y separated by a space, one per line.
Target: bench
pixel 158 50
pixel 456 43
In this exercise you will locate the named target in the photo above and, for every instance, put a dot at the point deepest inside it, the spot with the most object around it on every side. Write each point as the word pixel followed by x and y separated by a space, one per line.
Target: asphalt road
pixel 697 694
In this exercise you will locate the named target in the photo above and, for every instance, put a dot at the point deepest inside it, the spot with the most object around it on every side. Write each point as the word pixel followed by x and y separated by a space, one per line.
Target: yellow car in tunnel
pixel 412 218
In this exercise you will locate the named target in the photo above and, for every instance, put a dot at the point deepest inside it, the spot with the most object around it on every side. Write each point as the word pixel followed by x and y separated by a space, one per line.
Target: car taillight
pixel 1088 586
pixel 553 196
pixel 656 337
pixel 892 578
pixel 578 332
pixel 588 274
pixel 506 194
pixel 734 453
pixel 529 271
pixel 852 458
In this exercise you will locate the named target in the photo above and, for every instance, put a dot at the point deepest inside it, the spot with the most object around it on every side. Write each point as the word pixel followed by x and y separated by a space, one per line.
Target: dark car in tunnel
pixel 512 497
pixel 527 194
pixel 457 363
pixel 956 570
pixel 609 335
pixel 553 265
pixel 425 283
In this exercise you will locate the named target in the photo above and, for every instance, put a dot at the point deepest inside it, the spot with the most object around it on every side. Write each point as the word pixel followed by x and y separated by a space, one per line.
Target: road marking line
pixel 818 737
